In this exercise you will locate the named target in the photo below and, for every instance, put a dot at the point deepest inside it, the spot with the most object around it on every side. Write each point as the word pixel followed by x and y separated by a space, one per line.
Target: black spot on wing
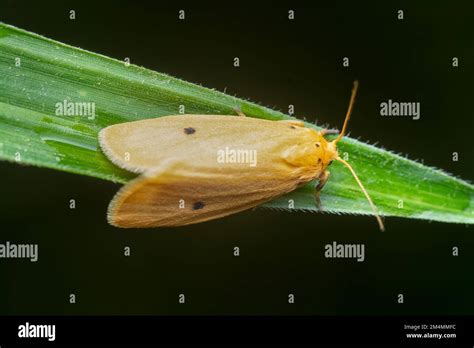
pixel 189 130
pixel 198 205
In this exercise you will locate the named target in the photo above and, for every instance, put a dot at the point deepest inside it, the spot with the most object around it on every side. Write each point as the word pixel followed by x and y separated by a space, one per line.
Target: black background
pixel 282 62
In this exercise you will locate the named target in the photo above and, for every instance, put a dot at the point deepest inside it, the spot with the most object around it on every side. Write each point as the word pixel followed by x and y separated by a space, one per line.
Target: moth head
pixel 327 153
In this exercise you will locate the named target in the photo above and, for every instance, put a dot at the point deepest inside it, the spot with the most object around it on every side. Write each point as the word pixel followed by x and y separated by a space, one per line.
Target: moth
pixel 190 169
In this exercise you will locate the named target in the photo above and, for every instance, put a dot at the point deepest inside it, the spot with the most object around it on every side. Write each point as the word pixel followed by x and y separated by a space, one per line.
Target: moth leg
pixel 329 132
pixel 239 112
pixel 323 178
pixel 295 123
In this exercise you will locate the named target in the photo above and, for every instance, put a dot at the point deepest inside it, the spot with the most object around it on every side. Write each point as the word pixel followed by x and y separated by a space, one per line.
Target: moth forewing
pixel 170 197
pixel 142 145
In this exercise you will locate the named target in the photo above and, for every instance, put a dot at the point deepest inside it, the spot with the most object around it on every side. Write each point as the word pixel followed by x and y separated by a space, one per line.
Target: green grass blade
pixel 36 73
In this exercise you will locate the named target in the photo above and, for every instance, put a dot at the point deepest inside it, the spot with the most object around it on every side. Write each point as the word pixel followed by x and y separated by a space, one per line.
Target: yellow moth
pixel 196 168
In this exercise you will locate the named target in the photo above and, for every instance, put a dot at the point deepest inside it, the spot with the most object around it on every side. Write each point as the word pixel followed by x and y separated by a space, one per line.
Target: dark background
pixel 282 62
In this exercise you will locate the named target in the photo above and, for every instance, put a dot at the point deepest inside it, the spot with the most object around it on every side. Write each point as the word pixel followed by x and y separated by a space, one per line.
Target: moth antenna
pixel 349 111
pixel 372 205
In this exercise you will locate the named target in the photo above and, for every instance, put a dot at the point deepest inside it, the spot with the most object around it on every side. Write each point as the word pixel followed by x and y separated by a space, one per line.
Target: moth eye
pixel 318 144
pixel 329 163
